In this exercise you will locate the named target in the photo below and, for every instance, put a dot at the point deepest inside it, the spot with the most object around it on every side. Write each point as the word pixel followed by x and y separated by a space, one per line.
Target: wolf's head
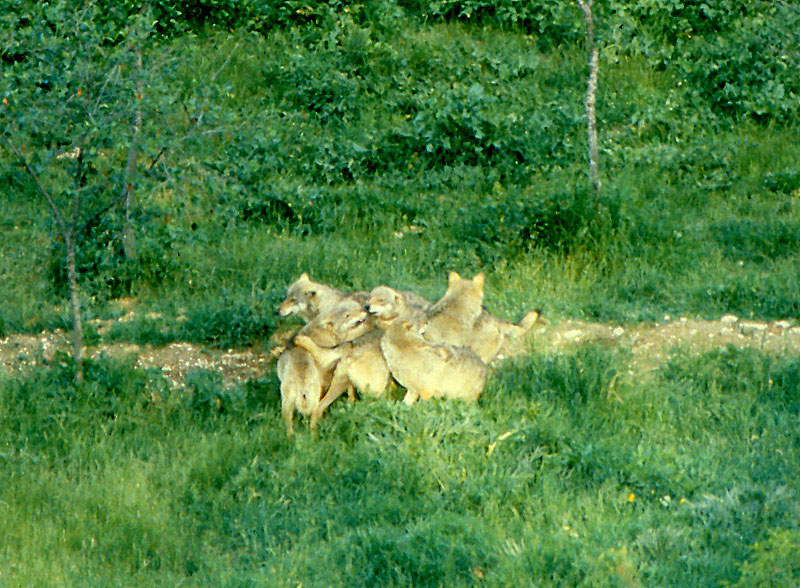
pixel 309 299
pixel 384 303
pixel 298 298
pixel 463 298
pixel 352 321
pixel 468 290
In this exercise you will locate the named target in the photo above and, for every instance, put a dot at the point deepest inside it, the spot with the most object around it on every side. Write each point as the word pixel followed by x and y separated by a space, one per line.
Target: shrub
pixel 554 23
pixel 103 268
pixel 749 71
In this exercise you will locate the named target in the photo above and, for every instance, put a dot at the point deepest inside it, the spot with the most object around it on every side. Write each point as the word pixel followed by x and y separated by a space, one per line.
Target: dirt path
pixel 649 345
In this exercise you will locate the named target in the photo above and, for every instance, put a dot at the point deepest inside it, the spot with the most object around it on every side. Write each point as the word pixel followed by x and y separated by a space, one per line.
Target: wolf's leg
pixel 287 411
pixel 339 383
pixel 315 414
pixel 410 397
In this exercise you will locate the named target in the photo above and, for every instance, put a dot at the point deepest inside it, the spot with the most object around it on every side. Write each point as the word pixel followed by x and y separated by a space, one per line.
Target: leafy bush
pixel 553 22
pixel 669 22
pixel 554 222
pixel 750 71
pixel 737 57
pixel 103 268
pixel 466 126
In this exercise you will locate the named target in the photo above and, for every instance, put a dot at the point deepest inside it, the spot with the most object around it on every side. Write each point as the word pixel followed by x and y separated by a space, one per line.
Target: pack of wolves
pixel 362 342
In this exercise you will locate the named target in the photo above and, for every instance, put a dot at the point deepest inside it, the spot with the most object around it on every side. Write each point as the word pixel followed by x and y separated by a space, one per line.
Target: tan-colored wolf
pixel 424 369
pixel 309 299
pixel 459 318
pixel 301 387
pixel 451 318
pixel 358 364
pixel 304 380
pixel 344 322
pixel 493 338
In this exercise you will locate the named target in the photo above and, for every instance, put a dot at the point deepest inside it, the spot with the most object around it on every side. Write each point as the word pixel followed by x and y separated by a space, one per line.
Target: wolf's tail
pixel 530 319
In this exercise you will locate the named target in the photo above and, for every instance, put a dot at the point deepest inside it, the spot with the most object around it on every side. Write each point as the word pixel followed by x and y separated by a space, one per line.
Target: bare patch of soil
pixel 21 353
pixel 650 346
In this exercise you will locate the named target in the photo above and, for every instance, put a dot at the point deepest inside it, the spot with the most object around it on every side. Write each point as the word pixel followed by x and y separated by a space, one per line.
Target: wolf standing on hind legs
pixel 358 364
pixel 303 379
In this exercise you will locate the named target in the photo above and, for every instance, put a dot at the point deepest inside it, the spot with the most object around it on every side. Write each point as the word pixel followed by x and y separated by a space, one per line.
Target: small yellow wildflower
pixel 631 497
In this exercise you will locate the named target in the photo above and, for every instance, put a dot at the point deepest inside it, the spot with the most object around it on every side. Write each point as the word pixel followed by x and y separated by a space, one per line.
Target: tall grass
pixel 568 471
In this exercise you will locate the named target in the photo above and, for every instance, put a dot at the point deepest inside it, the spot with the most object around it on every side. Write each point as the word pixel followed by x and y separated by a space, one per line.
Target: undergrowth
pixel 568 470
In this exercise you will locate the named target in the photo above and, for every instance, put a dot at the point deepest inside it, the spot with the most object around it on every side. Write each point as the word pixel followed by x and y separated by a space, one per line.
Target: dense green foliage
pixel 389 142
pixel 464 139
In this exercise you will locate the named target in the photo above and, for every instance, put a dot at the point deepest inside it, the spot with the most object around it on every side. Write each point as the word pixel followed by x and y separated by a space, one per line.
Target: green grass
pixel 368 151
pixel 568 471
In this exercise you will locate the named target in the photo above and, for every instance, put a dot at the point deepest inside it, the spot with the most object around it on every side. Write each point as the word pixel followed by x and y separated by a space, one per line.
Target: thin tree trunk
pixel 128 238
pixel 75 302
pixel 591 96
pixel 68 234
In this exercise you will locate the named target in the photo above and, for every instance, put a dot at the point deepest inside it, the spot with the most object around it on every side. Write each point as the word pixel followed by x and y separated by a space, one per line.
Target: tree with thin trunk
pixel 591 94
pixel 75 100
pixel 65 103
pixel 66 222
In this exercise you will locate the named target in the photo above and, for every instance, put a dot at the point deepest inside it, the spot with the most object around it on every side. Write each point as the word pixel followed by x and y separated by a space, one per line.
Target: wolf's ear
pixel 479 279
pixel 303 277
pixel 452 278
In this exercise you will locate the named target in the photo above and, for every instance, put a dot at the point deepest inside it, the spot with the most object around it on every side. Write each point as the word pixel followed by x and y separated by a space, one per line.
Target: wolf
pixel 493 338
pixel 344 322
pixel 424 369
pixel 308 299
pixel 303 379
pixel 451 318
pixel 459 318
pixel 301 387
pixel 358 364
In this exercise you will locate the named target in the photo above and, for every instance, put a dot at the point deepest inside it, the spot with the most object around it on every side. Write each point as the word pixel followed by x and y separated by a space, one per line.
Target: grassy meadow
pixel 371 144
